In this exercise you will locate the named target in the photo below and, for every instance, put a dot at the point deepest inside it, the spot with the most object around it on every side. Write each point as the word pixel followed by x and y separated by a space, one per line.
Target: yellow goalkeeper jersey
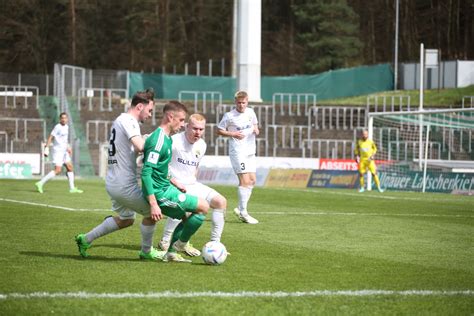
pixel 365 149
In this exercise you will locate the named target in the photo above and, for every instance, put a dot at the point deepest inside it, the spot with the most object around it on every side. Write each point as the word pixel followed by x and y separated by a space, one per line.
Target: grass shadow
pixel 75 257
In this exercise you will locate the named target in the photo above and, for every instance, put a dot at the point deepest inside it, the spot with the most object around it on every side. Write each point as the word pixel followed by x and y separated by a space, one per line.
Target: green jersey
pixel 156 158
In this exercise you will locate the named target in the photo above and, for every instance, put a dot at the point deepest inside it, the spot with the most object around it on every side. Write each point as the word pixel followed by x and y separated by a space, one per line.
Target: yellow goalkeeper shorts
pixel 367 164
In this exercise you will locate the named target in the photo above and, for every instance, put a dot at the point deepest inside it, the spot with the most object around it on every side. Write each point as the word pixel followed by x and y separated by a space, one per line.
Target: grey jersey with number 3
pixel 122 158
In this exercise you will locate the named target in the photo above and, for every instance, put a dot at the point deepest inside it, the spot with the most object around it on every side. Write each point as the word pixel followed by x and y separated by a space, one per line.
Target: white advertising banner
pixel 15 158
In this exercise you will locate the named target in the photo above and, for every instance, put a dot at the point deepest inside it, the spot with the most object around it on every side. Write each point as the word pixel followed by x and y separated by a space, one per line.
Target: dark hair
pixel 63 113
pixel 143 96
pixel 175 106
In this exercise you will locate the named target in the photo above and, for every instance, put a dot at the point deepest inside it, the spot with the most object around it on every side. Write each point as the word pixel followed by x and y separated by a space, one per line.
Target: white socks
pixel 244 194
pixel 70 176
pixel 106 227
pixel 170 226
pixel 216 230
pixel 48 177
pixel 147 236
pixel 217 224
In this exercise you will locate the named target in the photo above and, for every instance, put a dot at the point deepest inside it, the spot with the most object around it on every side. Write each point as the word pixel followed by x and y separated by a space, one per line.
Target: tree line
pixel 298 36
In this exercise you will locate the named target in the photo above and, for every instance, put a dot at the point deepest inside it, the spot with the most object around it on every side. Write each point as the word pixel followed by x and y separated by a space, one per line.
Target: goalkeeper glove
pixel 46 151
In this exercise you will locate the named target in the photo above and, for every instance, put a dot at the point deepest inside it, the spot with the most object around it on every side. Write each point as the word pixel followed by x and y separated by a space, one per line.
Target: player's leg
pixel 175 204
pixel 362 171
pixel 147 230
pixel 218 204
pixel 49 176
pixel 125 216
pixel 245 168
pixel 110 224
pixel 373 170
pixel 70 174
pixel 168 230
pixel 244 192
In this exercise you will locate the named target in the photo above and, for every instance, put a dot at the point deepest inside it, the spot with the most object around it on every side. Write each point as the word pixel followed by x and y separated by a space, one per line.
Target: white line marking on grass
pixel 288 213
pixel 375 195
pixel 64 208
pixel 363 214
pixel 242 294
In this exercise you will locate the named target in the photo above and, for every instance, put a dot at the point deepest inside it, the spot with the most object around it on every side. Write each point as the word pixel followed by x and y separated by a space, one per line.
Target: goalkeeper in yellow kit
pixel 365 151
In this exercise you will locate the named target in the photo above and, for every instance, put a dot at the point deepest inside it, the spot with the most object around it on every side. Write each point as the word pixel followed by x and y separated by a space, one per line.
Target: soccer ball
pixel 214 253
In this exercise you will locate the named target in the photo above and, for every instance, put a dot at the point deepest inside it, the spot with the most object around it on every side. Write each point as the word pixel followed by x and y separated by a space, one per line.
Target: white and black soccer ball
pixel 214 253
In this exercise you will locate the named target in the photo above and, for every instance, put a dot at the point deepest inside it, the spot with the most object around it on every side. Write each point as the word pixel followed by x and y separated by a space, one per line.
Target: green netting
pixel 49 111
pixel 327 85
pixel 85 159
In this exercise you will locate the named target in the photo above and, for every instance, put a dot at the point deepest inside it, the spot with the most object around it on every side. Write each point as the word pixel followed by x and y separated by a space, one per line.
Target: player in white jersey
pixel 241 125
pixel 61 154
pixel 187 151
pixel 121 181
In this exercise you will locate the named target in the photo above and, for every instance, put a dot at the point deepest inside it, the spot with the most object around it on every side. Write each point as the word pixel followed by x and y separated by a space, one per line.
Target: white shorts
pixel 60 158
pixel 127 202
pixel 244 164
pixel 202 191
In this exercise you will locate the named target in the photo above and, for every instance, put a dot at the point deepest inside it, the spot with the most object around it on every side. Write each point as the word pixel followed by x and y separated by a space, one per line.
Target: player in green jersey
pixel 164 196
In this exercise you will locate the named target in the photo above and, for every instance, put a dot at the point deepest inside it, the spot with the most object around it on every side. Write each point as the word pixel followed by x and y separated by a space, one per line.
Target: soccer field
pixel 314 252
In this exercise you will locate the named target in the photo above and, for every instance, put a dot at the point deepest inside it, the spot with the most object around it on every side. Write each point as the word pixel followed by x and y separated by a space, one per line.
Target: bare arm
pixel 256 130
pixel 178 185
pixel 48 142
pixel 236 134
pixel 155 211
pixel 138 143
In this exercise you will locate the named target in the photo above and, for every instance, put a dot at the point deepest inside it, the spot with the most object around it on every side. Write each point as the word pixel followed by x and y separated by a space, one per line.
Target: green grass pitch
pixel 314 252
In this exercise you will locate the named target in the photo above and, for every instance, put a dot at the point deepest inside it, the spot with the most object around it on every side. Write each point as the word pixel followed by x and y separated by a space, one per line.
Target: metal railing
pixel 337 117
pixel 388 103
pixel 103 95
pixel 24 122
pixel 214 97
pixel 221 143
pixel 210 133
pixel 293 100
pixel 467 101
pixel 287 136
pixel 328 148
pixel 5 135
pixel 96 126
pixel 408 150
pixel 17 92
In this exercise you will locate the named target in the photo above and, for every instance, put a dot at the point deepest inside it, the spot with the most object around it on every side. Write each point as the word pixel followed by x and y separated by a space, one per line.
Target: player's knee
pixel 123 223
pixel 219 202
pixel 202 207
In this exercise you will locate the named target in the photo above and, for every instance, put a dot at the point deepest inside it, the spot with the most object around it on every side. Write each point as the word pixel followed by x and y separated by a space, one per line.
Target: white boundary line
pixel 242 294
pixel 286 213
pixel 64 208
pixel 319 213
pixel 374 195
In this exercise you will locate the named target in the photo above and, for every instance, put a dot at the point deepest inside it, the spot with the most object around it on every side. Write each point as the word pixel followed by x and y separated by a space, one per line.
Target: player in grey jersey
pixel 121 181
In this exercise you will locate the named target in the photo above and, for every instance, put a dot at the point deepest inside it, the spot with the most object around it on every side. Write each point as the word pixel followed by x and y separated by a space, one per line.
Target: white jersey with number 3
pixel 244 122
pixel 122 158
pixel 186 158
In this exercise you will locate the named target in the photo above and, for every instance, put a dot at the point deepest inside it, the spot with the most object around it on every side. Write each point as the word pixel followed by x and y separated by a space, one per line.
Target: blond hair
pixel 197 117
pixel 241 94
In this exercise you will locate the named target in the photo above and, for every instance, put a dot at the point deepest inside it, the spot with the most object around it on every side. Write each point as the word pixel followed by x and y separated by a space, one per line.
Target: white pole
pixel 395 73
pixel 234 39
pixel 371 135
pixel 420 108
pixel 426 156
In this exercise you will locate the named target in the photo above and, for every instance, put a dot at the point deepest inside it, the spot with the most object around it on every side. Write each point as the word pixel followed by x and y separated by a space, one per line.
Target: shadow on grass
pixel 118 246
pixel 76 257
